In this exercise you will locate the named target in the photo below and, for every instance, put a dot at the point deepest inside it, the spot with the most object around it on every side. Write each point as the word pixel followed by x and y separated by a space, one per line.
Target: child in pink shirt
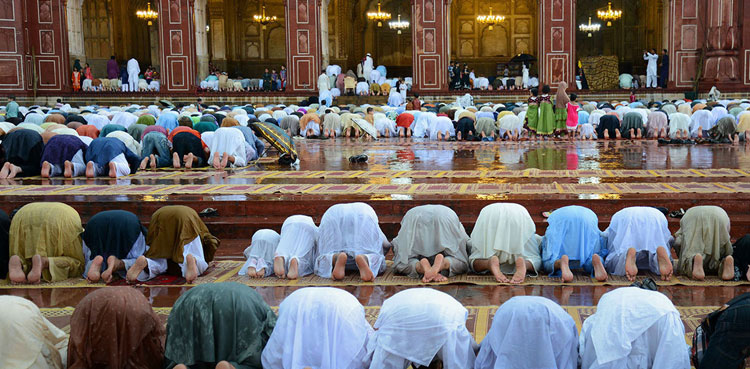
pixel 572 121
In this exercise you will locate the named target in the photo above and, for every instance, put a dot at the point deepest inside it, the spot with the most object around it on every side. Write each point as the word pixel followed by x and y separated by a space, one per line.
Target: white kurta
pixel 323 83
pixel 651 69
pixel 298 237
pixel 155 266
pixel 319 327
pixel 525 76
pixel 231 141
pixel 507 231
pixel 530 332
pixel 133 70
pixel 124 119
pixel 442 125
pixel 353 229
pixel 435 317
pixel 260 253
pixel 634 328
pixel 367 67
pixel 641 227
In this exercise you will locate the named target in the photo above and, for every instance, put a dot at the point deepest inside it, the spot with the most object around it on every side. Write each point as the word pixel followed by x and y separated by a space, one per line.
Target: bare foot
pixel 278 267
pixel 189 161
pixel 37 264
pixel 224 365
pixel 153 161
pixel 15 270
pixel 176 161
pixel 339 268
pixel 429 274
pixel 144 164
pixel 216 161
pixel 567 275
pixel 365 273
pixel 631 270
pixel 251 272
pixel 95 269
pixel 520 275
pixel 107 274
pixel 6 169
pixel 698 273
pixel 90 169
pixel 727 272
pixel 665 263
pixel 180 366
pixel 224 160
pixel 599 272
pixel 495 270
pixel 140 264
pixel 192 269
pixel 293 269
pixel 46 169
pixel 617 134
pixel 437 267
pixel 68 169
pixel 14 171
pixel 260 273
pixel 112 170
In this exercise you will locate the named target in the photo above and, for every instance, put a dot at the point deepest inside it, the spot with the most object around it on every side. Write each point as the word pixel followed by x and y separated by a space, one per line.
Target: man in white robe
pixel 652 57
pixel 367 67
pixel 525 76
pixel 133 71
pixel 323 82
pixel 295 254
pixel 634 328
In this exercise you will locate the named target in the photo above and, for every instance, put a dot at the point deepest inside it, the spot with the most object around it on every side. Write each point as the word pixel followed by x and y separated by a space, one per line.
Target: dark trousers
pixel 730 343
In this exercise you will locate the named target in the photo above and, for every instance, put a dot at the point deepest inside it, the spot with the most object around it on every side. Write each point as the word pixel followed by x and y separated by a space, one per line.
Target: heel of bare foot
pixel 68 169
pixel 94 273
pixel 665 263
pixel 251 272
pixel 109 272
pixel 144 164
pixel 495 270
pixel 224 365
pixel 90 169
pixel 140 264
pixel 278 267
pixel 112 170
pixel 339 267
pixel 153 161
pixel 599 272
pixel 520 275
pixel 260 273
pixel 176 161
pixel 224 160
pixel 698 273
pixel 567 275
pixel 37 264
pixel 437 267
pixel 428 273
pixel 293 269
pixel 46 169
pixel 15 270
pixel 216 161
pixel 365 273
pixel 631 270
pixel 189 161
pixel 727 272
pixel 191 272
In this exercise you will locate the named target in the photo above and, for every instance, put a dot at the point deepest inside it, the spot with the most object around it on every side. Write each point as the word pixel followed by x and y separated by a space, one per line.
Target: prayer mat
pixel 601 72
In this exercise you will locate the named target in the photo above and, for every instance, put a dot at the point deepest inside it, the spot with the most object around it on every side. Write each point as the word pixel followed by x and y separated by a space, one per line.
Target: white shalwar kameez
pixel 230 141
pixel 260 253
pixel 651 69
pixel 133 71
pixel 418 325
pixel 353 229
pixel 298 237
pixel 641 227
pixel 323 83
pixel 634 328
pixel 507 231
pixel 443 126
pixel 154 269
pixel 367 67
pixel 530 332
pixel 319 327
pixel 525 76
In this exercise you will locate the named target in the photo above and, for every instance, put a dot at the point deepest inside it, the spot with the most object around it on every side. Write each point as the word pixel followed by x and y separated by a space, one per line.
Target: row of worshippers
pixel 92 144
pixel 268 81
pixel 464 78
pixel 433 245
pixel 127 79
pixel 228 325
pixel 332 83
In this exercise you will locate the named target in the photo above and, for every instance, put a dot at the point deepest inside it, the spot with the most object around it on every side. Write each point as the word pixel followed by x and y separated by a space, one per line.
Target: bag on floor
pixel 706 329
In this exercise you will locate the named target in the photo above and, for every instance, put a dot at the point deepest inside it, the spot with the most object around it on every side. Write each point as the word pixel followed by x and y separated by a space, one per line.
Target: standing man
pixel 113 70
pixel 324 95
pixel 133 71
pixel 652 57
pixel 367 67
pixel 11 109
pixel 664 69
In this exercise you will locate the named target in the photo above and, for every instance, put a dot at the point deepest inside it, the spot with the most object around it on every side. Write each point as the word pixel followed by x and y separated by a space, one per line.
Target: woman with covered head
pixel 45 243
pixel 125 314
pixel 504 241
pixel 439 322
pixel 561 107
pixel 29 340
pixel 218 325
pixel 350 238
pixel 177 234
pixel 703 243
pixel 295 253
pixel 319 327
pixel 530 332
pixel 431 243
pixel 573 241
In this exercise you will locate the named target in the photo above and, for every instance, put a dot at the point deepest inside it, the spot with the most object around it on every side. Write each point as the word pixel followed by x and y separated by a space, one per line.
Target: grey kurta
pixel 426 231
pixel 703 230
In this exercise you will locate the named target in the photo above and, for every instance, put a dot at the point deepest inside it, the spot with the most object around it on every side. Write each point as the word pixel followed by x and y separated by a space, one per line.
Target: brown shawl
pixel 562 99
pixel 116 328
pixel 174 226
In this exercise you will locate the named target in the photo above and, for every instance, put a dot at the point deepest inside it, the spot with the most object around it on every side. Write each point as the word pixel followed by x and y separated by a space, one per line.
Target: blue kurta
pixel 572 231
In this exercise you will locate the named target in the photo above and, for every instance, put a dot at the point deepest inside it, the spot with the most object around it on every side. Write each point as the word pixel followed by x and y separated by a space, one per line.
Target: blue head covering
pixel 572 231
pixel 168 120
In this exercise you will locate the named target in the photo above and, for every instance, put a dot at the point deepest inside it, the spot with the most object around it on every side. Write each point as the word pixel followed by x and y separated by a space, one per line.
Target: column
pixel 201 38
pixel 557 48
pixel 745 10
pixel 325 49
pixel 431 49
pixel 47 44
pixel 686 38
pixel 13 68
pixel 722 65
pixel 177 44
pixel 74 14
pixel 303 44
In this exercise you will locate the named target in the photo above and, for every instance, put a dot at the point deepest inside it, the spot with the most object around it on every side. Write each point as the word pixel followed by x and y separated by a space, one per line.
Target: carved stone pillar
pixel 201 38
pixel 325 49
pixel 557 38
pixel 47 44
pixel 303 44
pixel 722 64
pixel 177 36
pixel 430 33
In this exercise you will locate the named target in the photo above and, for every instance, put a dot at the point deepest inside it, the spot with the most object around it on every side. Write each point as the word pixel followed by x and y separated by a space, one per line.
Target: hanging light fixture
pixel 148 14
pixel 262 18
pixel 398 24
pixel 379 16
pixel 609 15
pixel 490 19
pixel 590 27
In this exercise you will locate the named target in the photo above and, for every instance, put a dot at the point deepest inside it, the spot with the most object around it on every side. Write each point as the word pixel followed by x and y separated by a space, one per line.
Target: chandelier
pixel 490 19
pixel 262 18
pixel 148 14
pixel 379 16
pixel 398 24
pixel 589 27
pixel 609 15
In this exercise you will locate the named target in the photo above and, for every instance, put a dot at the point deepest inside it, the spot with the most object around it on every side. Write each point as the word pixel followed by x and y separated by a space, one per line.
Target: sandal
pixel 209 212
pixel 677 213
